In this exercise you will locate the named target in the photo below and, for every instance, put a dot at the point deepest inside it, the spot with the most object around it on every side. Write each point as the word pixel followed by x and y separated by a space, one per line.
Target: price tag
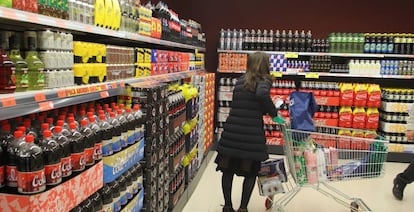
pixel 122 84
pixel 312 76
pixel 113 85
pixel 61 94
pixel 277 74
pixel 45 106
pixel 104 87
pixel 40 97
pixel 8 102
pixel 291 55
pixel 104 94
pixel 93 89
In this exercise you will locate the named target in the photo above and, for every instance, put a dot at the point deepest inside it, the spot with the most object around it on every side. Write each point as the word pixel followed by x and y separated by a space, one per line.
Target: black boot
pixel 398 189
pixel 228 209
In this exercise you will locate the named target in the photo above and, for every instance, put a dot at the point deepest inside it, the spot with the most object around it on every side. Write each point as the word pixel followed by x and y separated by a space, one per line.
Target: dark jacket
pixel 243 135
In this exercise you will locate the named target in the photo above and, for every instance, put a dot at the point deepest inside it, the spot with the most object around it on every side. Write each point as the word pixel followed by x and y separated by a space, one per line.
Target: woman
pixel 243 143
pixel 407 176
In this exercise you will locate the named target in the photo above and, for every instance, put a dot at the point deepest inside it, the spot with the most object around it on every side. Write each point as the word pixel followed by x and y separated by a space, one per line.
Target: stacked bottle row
pixel 232 62
pixel 69 141
pixel 264 40
pixel 398 95
pixel 320 64
pixel 90 59
pixel 120 62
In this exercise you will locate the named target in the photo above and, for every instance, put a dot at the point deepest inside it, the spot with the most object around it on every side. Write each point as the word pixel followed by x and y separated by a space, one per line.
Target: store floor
pixel 376 193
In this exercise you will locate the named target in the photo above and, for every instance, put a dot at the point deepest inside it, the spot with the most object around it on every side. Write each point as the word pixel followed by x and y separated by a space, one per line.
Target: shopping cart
pixel 315 160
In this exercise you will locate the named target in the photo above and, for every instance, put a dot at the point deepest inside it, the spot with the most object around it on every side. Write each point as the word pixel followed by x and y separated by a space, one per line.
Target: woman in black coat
pixel 243 143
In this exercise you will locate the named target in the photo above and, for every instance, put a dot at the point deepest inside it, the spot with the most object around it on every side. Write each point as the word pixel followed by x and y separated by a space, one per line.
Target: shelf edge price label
pixel 312 75
pixel 61 94
pixel 122 84
pixel 8 101
pixel 45 106
pixel 277 74
pixel 291 55
pixel 104 94
pixel 113 85
pixel 40 97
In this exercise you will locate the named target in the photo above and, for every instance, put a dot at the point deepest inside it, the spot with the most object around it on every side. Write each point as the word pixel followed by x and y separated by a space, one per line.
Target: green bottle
pixel 36 67
pixel 21 73
pixel 6 3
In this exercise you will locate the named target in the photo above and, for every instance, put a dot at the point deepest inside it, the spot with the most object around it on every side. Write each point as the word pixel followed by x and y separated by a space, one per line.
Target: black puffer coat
pixel 243 136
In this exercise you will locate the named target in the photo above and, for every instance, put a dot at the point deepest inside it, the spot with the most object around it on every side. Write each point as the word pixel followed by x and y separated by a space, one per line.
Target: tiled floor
pixel 375 192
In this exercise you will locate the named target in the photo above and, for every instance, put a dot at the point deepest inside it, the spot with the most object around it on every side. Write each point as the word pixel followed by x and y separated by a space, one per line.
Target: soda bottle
pixel 107 130
pixel 309 41
pixel 30 130
pixel 31 177
pixel 289 41
pixel 7 74
pixel 302 41
pixel 276 42
pixel 89 142
pixel 36 67
pixel 12 151
pixel 390 48
pixel 228 39
pixel 253 40
pixel 77 149
pixel 283 41
pixel 97 201
pixel 129 190
pixel 222 38
pixel 123 190
pixel 96 137
pixel 234 40
pixel 296 41
pixel 116 194
pixel 130 127
pixel 247 40
pixel 259 42
pixel 21 72
pixel 65 147
pixel 264 41
pixel 123 127
pixel 52 153
pixel 139 123
pixel 107 197
pixel 116 133
pixel 270 41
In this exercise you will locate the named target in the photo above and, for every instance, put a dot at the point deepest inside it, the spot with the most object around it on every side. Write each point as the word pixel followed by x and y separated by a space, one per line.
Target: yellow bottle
pixel 108 14
pixel 116 11
pixel 100 13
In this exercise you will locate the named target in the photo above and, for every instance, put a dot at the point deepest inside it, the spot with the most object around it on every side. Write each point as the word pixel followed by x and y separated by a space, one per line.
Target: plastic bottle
pixel 222 35
pixel 139 123
pixel 77 149
pixel 65 147
pixel 107 198
pixel 131 126
pixel 107 130
pixel 36 67
pixel 30 130
pixel 116 133
pixel 7 74
pixel 21 72
pixel 12 149
pixel 52 153
pixel 123 190
pixel 97 137
pixel 97 201
pixel 247 40
pixel 116 196
pixel 283 41
pixel 30 168
pixel 89 142
pixel 123 128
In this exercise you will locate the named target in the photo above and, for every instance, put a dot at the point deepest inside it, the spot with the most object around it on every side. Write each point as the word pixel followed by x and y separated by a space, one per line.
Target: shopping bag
pixel 302 108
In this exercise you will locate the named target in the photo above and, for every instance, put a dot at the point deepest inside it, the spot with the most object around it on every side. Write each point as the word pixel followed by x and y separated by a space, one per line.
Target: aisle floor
pixel 376 193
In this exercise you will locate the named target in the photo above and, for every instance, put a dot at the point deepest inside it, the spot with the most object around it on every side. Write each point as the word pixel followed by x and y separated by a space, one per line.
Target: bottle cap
pixel 82 112
pixel 18 134
pixel 90 114
pixel 102 117
pixel 22 128
pixel 6 127
pixel 60 123
pixel 27 123
pixel 72 126
pixel 112 114
pixel 57 129
pixel 45 126
pixel 49 120
pixel 29 138
pixel 136 107
pixel 128 110
pixel 84 122
pixel 122 106
pixel 71 119
pixel 92 119
pixel 119 111
pixel 61 117
pixel 47 133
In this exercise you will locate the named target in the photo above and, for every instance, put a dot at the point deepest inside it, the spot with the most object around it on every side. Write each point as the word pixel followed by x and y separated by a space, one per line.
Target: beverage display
pixel 35 67
pixel 12 154
pixel 52 153
pixel 30 168
pixel 88 141
pixel 65 146
pixel 21 71
pixel 77 148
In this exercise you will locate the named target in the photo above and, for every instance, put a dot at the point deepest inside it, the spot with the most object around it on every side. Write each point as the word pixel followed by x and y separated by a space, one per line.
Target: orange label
pixel 45 106
pixel 113 85
pixel 71 92
pixel 104 87
pixel 89 156
pixel 8 101
pixel 31 182
pixel 93 89
pixel 122 84
pixel 40 97
pixel 104 94
pixel 61 93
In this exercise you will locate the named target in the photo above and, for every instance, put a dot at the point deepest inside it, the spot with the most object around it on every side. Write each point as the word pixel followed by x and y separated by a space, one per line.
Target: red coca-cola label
pixel 66 164
pixel 372 121
pixel 31 6
pixel 359 120
pixel 334 115
pixel 330 93
pixel 53 174
pixel 31 182
pixel 78 161
pixel 97 153
pixel 361 98
pixel 18 4
pixel 324 93
pixel 89 156
pixel 347 98
pixel 345 120
pixel 11 176
pixel 374 99
pixel 1 176
pixel 336 93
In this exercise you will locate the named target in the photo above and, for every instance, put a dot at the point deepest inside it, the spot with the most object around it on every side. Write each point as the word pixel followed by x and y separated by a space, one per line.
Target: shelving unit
pixel 395 153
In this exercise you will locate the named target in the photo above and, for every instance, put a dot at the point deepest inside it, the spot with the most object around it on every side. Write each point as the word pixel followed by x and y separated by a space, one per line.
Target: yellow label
pixel 312 76
pixel 277 74
pixel 291 55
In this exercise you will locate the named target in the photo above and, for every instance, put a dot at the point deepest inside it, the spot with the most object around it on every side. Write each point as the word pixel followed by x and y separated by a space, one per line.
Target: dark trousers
pixel 408 175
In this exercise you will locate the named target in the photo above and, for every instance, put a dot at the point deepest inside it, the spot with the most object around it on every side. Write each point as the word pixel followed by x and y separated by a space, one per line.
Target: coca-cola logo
pixel 348 95
pixel 12 176
pixel 359 118
pixel 39 181
pixel 56 174
pixel 96 153
pixel 361 96
pixel 375 97
pixel 66 167
pixel 82 161
pixel 345 118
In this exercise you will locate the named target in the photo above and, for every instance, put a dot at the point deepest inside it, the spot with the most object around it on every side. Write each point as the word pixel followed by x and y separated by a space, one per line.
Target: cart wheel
pixel 269 202
pixel 354 206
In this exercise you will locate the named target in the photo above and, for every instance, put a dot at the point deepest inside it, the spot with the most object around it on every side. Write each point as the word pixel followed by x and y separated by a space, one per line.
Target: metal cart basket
pixel 315 160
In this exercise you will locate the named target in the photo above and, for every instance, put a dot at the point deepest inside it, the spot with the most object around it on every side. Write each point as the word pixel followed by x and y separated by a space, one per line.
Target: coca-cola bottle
pixel 116 194
pixel 97 137
pixel 283 41
pixel 107 198
pixel 12 149
pixel 77 148
pixel 52 153
pixel 65 146
pixel 106 129
pixel 123 128
pixel 246 40
pixel 130 126
pixel 116 133
pixel 139 123
pixel 31 177
pixel 97 201
pixel 89 142
pixel 30 130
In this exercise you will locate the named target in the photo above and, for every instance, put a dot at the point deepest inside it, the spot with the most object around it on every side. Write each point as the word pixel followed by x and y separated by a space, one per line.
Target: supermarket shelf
pixel 191 188
pixel 33 18
pixel 324 54
pixel 322 74
pixel 20 104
